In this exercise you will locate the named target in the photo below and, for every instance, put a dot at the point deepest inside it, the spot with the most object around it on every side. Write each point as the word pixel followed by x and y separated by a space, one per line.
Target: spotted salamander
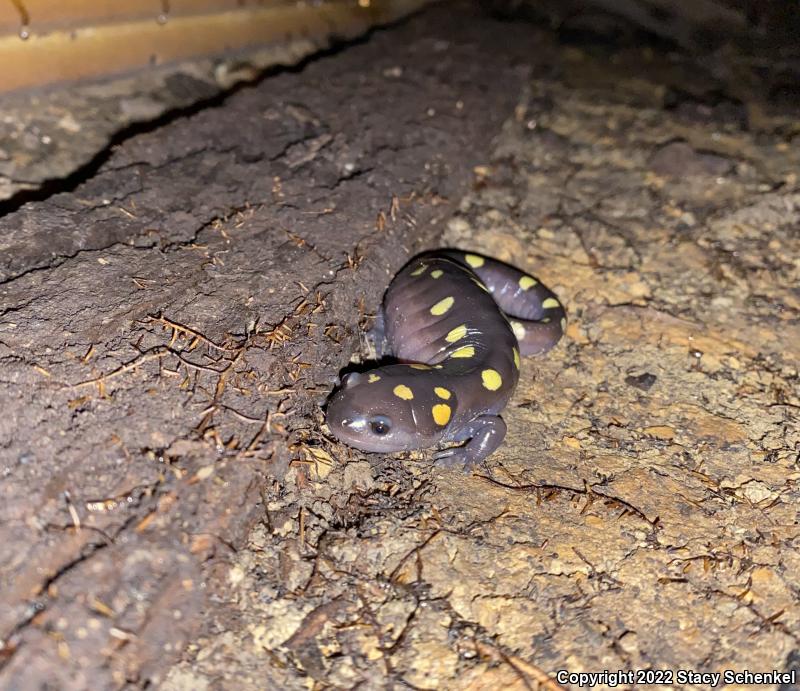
pixel 456 324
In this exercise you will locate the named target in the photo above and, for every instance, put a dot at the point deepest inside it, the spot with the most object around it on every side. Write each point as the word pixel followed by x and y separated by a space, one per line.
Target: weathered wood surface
pixel 643 510
pixel 48 41
pixel 168 330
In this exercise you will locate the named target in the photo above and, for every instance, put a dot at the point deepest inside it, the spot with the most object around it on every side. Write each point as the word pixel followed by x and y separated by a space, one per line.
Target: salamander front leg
pixel 483 435
pixel 376 338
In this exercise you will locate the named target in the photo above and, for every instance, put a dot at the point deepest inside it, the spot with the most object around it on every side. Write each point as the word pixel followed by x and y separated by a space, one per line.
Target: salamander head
pixel 374 411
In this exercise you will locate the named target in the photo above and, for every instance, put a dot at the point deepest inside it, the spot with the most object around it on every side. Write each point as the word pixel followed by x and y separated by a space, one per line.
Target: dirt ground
pixel 173 512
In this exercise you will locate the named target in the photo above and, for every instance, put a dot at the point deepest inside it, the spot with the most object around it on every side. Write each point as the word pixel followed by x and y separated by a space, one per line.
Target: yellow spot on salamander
pixel 441 414
pixel 441 392
pixel 464 351
pixel 516 357
pixel 491 379
pixel 436 273
pixel 456 334
pixel 563 324
pixel 372 378
pixel 442 306
pixel 526 282
pixel 419 270
pixel 551 303
pixel 419 366
pixel 402 391
pixel 518 329
pixel 474 260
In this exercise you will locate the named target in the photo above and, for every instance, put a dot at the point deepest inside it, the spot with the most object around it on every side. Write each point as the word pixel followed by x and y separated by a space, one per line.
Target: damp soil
pixel 173 511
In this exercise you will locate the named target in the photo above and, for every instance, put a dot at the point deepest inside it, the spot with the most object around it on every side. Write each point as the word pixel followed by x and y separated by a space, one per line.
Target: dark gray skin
pixel 458 322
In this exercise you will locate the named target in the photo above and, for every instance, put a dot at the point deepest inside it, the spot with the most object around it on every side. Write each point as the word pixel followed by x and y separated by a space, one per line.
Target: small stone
pixel 641 381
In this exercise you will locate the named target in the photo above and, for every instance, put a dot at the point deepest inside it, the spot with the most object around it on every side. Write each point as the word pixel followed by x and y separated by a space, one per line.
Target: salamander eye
pixel 380 425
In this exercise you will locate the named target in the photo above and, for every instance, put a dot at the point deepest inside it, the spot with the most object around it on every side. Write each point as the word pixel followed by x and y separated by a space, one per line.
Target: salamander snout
pixel 360 416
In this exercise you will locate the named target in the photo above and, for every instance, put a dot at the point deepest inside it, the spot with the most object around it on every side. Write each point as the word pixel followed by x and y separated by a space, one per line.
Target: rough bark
pixel 168 331
pixel 643 510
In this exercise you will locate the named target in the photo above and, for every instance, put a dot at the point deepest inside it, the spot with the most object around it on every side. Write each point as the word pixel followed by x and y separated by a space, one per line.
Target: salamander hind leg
pixel 483 435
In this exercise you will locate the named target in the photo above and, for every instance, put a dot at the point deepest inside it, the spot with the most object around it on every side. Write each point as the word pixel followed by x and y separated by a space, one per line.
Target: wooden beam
pixel 43 42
